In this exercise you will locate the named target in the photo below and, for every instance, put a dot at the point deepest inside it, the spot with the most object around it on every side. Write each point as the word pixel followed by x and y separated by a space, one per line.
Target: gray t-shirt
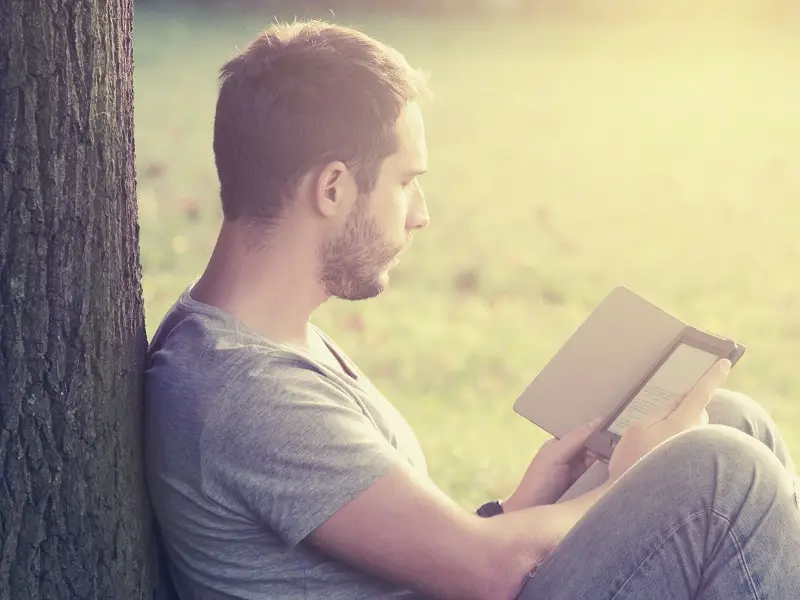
pixel 249 446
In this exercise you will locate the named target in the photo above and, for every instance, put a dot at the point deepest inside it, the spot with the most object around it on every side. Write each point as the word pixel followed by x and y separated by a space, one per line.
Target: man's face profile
pixel 355 262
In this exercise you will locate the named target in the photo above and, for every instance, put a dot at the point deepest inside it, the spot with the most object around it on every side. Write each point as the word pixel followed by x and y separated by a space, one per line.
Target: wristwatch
pixel 491 509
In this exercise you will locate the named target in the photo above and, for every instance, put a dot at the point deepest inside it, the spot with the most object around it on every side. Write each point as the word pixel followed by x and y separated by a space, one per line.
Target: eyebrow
pixel 411 173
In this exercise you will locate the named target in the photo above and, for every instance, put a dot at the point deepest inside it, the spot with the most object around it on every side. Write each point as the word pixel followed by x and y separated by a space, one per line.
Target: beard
pixel 355 264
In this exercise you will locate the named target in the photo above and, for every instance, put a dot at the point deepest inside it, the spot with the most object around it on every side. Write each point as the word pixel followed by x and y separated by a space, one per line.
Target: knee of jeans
pixel 722 452
pixel 735 409
pixel 740 411
pixel 722 468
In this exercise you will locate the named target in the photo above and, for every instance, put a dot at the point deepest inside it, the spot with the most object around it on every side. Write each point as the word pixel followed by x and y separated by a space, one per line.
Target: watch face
pixel 490 509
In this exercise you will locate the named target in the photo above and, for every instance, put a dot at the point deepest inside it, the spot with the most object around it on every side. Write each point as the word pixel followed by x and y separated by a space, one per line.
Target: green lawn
pixel 565 159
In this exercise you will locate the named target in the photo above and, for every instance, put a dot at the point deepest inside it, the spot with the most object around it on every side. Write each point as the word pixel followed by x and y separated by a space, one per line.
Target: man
pixel 278 471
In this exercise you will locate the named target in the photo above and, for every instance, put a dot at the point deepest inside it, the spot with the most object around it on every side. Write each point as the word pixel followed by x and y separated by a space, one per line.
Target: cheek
pixel 401 209
pixel 389 212
pixel 393 213
pixel 402 215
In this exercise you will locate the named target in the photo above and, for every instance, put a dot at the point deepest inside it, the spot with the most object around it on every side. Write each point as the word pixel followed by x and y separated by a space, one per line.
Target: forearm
pixel 404 529
pixel 523 539
pixel 490 558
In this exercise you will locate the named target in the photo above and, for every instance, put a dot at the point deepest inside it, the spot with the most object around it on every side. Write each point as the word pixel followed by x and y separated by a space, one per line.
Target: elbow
pixel 501 557
pixel 503 575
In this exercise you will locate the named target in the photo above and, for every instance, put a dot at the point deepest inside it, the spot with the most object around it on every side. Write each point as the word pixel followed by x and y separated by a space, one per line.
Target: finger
pixel 577 470
pixel 696 401
pixel 594 457
pixel 589 460
pixel 574 440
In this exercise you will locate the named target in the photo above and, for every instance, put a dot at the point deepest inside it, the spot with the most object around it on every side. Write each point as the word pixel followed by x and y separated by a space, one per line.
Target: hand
pixel 683 413
pixel 556 466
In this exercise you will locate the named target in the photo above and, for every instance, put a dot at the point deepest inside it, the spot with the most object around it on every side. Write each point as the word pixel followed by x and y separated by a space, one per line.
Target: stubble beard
pixel 355 264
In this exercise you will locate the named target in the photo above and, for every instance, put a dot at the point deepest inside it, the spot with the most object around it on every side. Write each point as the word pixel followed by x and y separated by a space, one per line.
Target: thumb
pixel 660 414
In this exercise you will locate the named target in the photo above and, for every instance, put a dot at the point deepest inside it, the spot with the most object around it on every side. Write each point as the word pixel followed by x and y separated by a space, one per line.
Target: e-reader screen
pixel 677 375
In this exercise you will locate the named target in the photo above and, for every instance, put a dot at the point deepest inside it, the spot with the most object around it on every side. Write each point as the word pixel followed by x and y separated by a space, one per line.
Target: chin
pixel 360 286
pixel 373 288
pixel 362 290
pixel 361 294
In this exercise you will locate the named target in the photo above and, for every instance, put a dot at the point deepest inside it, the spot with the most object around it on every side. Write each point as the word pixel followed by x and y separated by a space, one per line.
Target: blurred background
pixel 574 146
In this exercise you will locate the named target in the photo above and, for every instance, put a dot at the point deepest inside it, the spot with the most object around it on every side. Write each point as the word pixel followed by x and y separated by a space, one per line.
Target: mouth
pixel 399 251
pixel 395 260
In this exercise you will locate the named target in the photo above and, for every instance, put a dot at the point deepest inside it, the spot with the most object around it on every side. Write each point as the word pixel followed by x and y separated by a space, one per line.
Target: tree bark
pixel 74 515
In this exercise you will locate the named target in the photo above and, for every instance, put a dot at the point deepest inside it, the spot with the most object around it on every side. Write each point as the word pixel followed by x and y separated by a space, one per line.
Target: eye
pixel 407 184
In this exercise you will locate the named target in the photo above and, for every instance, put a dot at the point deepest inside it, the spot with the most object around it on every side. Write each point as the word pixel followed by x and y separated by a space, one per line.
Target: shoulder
pixel 206 346
pixel 201 365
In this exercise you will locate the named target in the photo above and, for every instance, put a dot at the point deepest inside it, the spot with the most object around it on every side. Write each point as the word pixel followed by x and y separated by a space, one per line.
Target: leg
pixel 735 409
pixel 738 410
pixel 709 514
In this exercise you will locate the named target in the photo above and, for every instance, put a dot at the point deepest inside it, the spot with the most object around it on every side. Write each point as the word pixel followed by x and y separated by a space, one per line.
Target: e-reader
pixel 675 373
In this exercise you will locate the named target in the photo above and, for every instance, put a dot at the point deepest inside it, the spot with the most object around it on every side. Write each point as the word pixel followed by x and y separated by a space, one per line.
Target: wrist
pixel 517 501
pixel 526 497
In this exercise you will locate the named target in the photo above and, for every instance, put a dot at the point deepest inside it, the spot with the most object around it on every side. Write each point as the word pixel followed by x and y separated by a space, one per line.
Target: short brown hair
pixel 301 95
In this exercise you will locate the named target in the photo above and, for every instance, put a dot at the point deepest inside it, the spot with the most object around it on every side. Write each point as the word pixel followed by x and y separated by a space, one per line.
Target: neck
pixel 273 290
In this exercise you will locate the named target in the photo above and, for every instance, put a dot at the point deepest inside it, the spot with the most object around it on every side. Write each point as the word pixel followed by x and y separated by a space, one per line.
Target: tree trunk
pixel 74 515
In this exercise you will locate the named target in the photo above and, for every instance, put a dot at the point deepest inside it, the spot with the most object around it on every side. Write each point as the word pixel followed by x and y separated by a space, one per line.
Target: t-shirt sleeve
pixel 293 449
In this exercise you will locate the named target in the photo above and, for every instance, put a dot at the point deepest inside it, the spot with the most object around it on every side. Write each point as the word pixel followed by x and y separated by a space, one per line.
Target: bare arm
pixel 406 530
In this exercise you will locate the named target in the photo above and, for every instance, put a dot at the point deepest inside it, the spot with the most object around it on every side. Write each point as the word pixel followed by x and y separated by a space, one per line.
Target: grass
pixel 566 158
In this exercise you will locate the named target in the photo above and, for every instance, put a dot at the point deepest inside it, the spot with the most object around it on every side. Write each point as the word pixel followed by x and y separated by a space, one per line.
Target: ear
pixel 335 189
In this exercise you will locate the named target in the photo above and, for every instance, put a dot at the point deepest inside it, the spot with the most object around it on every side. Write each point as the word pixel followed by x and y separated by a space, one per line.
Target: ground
pixel 565 159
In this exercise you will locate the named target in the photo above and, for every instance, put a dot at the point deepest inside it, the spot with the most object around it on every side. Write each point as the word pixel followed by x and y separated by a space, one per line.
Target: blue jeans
pixel 711 514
